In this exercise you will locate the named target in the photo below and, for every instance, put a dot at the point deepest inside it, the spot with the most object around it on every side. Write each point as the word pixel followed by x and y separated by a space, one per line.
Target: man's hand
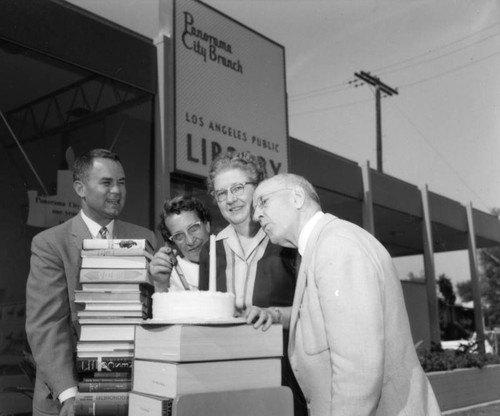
pixel 160 268
pixel 68 407
pixel 260 317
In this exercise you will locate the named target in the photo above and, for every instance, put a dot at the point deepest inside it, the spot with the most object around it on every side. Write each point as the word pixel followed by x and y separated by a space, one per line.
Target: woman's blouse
pixel 264 276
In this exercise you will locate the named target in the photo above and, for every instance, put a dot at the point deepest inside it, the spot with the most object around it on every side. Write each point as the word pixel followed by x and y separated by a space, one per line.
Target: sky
pixel 442 128
pixel 443 57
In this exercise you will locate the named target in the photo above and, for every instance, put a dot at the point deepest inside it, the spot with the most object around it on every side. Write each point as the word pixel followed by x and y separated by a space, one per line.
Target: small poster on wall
pixel 50 210
pixel 230 90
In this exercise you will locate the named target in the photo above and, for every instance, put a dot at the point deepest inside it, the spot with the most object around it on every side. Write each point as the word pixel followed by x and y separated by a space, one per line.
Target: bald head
pixel 283 204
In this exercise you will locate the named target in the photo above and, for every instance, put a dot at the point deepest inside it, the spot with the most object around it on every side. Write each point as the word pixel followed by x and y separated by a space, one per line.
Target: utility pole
pixel 379 88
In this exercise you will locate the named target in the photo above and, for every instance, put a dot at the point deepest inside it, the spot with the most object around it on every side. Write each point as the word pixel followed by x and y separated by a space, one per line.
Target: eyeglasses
pixel 236 189
pixel 263 200
pixel 192 230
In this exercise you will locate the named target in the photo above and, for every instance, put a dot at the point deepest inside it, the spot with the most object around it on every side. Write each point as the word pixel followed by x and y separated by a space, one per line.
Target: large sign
pixel 229 90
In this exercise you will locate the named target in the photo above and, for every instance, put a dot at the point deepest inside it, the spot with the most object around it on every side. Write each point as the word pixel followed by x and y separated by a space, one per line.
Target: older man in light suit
pixel 51 315
pixel 350 342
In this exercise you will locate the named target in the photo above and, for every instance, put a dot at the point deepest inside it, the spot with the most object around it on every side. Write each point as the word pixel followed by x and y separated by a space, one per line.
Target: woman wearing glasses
pixel 260 274
pixel 184 222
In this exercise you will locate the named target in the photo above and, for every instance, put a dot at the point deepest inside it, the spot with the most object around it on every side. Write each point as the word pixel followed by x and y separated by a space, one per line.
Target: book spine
pixel 114 276
pixel 167 407
pixel 107 380
pixel 115 252
pixel 104 364
pixel 99 244
pixel 86 296
pixel 138 407
pixel 116 287
pixel 117 262
pixel 105 386
pixel 112 375
pixel 101 404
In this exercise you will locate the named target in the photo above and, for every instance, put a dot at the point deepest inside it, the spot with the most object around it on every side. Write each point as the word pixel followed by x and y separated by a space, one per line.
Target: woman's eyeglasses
pixel 192 230
pixel 236 189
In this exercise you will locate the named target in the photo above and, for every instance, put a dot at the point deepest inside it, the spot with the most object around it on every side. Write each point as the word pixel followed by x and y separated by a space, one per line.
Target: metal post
pixel 430 270
pixel 163 121
pixel 379 128
pixel 474 273
pixel 368 220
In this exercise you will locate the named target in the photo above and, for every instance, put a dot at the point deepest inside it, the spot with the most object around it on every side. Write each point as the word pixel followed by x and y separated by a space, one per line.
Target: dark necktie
pixel 103 233
pixel 298 260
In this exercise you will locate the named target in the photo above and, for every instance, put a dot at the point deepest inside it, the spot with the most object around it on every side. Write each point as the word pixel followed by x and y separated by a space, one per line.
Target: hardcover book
pixel 104 364
pixel 170 379
pixel 104 346
pixel 114 276
pixel 111 314
pixel 101 404
pixel 115 262
pixel 207 342
pixel 99 243
pixel 108 354
pixel 107 332
pixel 111 320
pixel 117 252
pixel 105 386
pixel 82 296
pixel 141 404
pixel 276 401
pixel 104 376
pixel 118 306
pixel 97 378
pixel 116 287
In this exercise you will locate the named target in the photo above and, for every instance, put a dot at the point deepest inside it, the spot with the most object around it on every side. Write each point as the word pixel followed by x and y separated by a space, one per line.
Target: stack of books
pixel 177 360
pixel 116 294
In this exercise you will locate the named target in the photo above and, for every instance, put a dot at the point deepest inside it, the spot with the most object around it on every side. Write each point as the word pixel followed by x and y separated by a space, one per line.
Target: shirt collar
pixel 230 237
pixel 95 227
pixel 230 232
pixel 307 230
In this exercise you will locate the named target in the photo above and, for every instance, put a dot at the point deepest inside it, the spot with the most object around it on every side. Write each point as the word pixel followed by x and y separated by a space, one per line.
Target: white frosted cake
pixel 193 306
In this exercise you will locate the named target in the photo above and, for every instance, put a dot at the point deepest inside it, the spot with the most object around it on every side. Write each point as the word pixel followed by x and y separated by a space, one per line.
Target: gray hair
pixel 254 166
pixel 290 180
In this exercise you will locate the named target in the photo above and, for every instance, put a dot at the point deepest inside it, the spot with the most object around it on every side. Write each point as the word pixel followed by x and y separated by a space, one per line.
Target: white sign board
pixel 230 90
pixel 47 211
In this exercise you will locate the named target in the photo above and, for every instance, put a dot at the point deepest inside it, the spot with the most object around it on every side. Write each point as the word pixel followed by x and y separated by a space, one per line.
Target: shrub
pixel 437 359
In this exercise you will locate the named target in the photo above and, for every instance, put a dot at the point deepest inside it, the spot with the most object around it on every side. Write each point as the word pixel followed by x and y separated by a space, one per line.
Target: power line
pixel 320 91
pixel 451 70
pixel 436 57
pixel 384 69
pixel 437 152
pixel 344 86
pixel 411 84
pixel 333 107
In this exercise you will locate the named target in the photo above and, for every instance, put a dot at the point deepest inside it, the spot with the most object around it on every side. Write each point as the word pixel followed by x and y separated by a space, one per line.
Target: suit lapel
pixel 302 276
pixel 117 229
pixel 79 231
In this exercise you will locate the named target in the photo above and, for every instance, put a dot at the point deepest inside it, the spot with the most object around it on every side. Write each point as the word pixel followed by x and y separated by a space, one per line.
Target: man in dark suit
pixel 51 315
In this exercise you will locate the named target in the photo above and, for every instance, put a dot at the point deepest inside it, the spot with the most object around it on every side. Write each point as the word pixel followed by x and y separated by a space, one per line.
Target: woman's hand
pixel 160 268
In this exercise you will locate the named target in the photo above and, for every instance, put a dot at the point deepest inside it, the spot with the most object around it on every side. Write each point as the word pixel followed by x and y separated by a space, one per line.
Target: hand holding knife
pixel 178 269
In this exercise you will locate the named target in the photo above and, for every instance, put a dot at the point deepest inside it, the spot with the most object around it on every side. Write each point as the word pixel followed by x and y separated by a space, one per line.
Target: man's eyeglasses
pixel 236 189
pixel 263 200
pixel 192 230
